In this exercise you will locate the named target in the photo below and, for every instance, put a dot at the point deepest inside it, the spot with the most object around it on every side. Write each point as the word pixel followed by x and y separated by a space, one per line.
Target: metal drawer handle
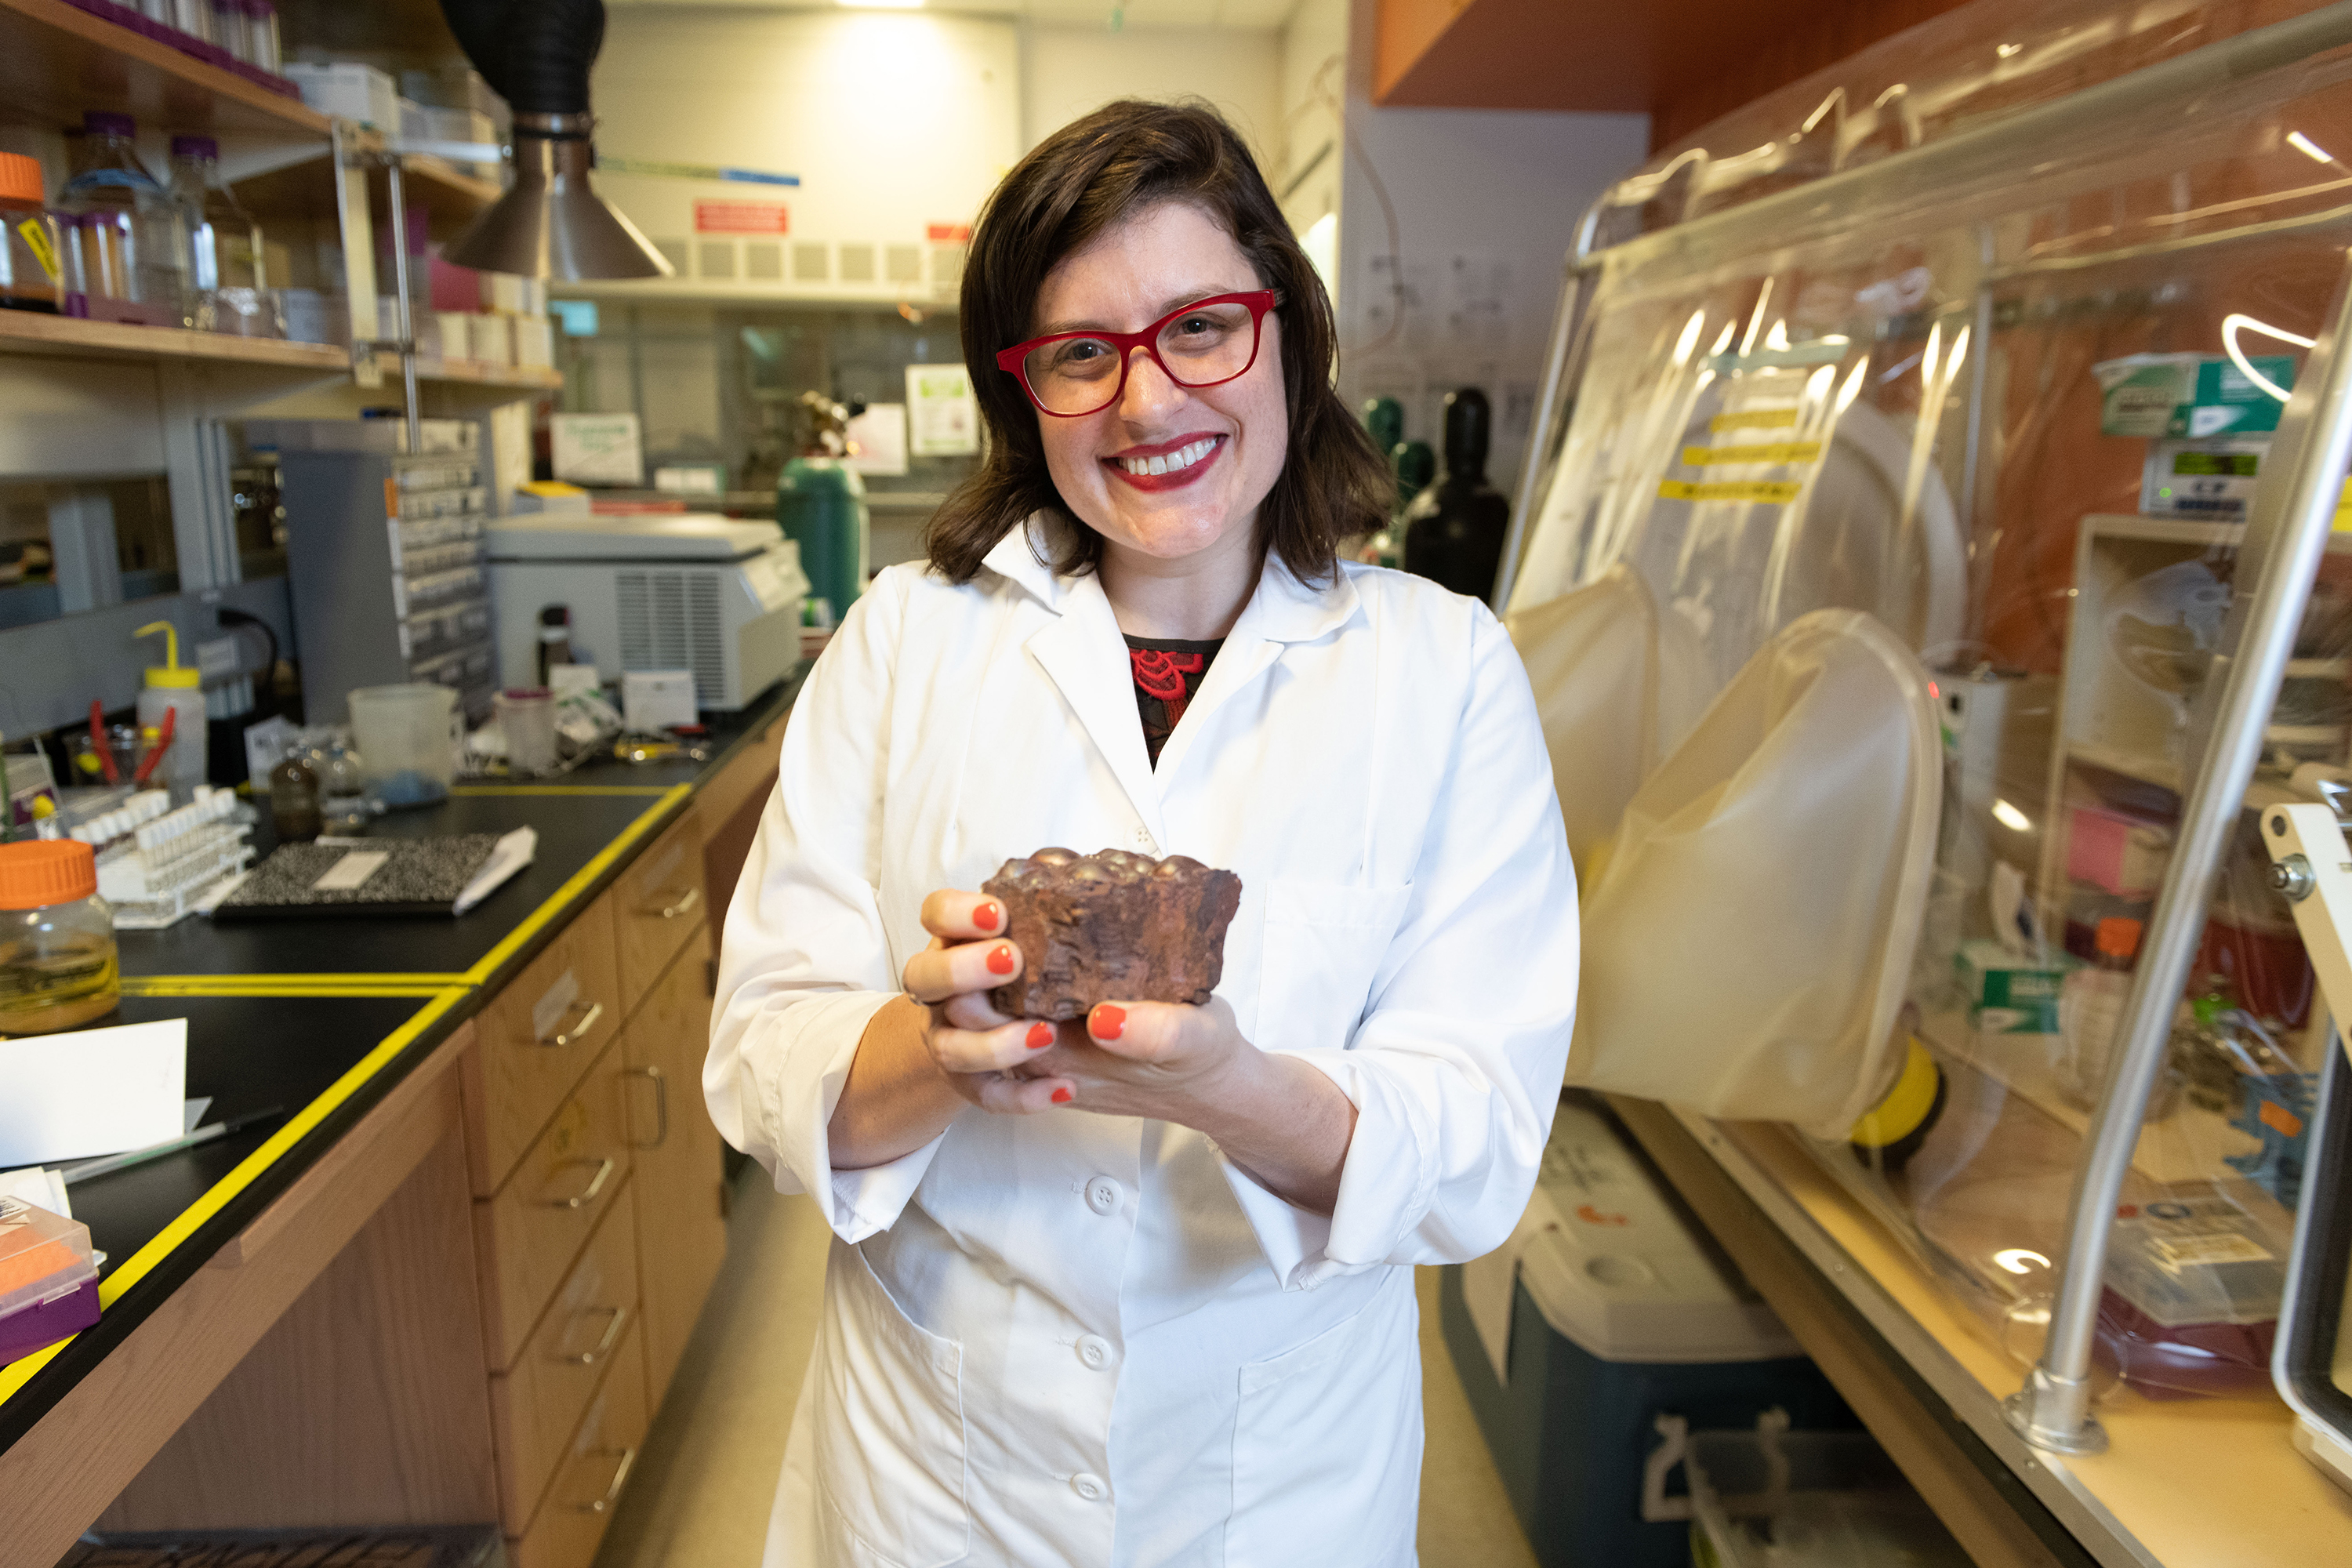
pixel 628 1458
pixel 686 902
pixel 661 1104
pixel 604 1346
pixel 595 1184
pixel 577 1032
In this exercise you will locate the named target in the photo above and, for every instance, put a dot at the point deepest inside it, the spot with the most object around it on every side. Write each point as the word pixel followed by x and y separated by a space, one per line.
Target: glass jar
pixel 57 963
pixel 28 247
pixel 294 798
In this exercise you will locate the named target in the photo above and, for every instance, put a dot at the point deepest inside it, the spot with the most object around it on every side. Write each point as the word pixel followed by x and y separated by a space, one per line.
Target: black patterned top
pixel 1167 675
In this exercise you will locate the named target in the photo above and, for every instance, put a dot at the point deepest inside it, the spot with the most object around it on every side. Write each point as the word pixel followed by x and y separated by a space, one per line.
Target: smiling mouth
pixel 1168 462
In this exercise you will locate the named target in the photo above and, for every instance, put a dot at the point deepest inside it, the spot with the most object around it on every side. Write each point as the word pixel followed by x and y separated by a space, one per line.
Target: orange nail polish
pixel 1040 1037
pixel 1107 1022
pixel 1001 960
pixel 986 916
pixel 1062 1097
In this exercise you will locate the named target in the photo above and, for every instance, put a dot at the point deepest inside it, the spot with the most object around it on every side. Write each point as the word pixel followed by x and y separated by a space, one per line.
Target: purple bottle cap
pixel 99 122
pixel 260 7
pixel 195 147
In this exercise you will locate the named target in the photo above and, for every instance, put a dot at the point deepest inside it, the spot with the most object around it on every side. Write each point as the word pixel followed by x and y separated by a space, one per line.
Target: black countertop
pixel 324 1017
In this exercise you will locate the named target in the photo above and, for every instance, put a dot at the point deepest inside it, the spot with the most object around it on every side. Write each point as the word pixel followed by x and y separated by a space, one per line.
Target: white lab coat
pixel 1090 1339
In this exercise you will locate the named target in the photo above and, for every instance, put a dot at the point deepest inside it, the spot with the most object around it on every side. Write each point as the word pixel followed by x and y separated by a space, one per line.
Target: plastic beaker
pixel 406 743
pixel 527 718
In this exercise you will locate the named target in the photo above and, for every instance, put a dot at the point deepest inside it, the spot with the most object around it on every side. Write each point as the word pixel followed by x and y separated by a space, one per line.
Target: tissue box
pixel 2117 854
pixel 2007 994
pixel 351 89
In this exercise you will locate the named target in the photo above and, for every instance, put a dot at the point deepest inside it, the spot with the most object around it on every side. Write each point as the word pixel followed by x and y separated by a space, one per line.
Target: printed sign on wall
pixel 742 217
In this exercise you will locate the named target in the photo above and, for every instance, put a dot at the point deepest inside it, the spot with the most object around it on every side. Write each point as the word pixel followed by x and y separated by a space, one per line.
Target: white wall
pixel 1486 205
pixel 893 121
pixel 1065 71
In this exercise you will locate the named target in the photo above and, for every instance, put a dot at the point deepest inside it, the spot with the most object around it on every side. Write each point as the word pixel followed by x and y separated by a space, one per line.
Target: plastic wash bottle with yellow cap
pixel 172 687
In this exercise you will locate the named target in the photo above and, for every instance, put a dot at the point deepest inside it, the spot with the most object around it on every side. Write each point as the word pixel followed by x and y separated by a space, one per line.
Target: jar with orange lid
pixel 31 278
pixel 57 963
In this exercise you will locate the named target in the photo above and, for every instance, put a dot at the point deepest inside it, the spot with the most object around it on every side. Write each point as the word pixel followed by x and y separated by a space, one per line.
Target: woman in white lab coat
pixel 1138 1290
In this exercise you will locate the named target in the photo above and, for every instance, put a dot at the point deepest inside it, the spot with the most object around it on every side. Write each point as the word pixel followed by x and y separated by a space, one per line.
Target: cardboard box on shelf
pixel 534 340
pixel 492 339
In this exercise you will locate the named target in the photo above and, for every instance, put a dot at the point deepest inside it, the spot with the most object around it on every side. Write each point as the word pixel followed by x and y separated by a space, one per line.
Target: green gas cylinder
pixel 821 506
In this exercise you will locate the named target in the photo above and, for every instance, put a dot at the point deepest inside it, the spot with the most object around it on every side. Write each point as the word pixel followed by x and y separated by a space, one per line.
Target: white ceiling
pixel 1238 14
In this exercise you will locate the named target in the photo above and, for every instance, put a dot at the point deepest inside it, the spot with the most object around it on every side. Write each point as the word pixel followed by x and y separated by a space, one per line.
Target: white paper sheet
pixel 97 1091
pixel 943 415
pixel 42 1188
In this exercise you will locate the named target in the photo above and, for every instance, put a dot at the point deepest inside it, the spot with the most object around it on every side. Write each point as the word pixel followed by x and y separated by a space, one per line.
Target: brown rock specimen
pixel 1111 927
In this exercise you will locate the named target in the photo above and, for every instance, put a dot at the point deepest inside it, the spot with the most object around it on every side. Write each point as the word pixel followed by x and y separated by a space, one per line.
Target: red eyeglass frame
pixel 1259 300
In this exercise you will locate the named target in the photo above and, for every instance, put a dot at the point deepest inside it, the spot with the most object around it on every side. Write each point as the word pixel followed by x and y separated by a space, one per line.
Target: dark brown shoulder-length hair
pixel 1073 187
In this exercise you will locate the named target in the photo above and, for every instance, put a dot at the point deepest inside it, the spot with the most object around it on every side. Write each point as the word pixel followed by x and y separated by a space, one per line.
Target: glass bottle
pixel 143 241
pixel 31 270
pixel 59 967
pixel 229 278
pixel 1453 530
pixel 294 798
pixel 229 28
pixel 554 640
pixel 261 33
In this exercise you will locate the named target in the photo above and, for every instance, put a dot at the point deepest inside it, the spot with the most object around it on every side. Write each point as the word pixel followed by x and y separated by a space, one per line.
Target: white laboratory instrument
pixel 720 596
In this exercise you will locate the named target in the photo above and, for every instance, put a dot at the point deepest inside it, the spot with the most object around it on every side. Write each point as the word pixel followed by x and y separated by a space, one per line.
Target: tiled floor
pixel 701 1494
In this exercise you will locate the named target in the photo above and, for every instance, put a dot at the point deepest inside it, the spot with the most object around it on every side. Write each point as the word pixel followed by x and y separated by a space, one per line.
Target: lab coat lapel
pixel 1282 611
pixel 1082 650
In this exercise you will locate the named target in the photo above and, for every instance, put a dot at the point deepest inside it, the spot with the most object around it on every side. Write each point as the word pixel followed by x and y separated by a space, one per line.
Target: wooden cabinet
pixel 597 1179
pixel 681 1217
pixel 538 1037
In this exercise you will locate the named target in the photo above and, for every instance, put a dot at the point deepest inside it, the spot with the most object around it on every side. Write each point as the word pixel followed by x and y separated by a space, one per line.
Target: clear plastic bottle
pixel 147 231
pixel 176 688
pixel 58 967
pixel 228 280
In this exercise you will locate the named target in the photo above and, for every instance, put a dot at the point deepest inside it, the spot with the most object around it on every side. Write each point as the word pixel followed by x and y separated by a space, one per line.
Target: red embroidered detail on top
pixel 1161 674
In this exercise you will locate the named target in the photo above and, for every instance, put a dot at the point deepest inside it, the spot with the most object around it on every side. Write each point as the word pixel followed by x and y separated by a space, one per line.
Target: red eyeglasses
pixel 1208 342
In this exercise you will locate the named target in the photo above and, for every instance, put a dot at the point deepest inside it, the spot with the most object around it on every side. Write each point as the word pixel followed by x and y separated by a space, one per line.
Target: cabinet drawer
pixel 593 1469
pixel 541 1399
pixel 657 903
pixel 537 1038
pixel 527 1237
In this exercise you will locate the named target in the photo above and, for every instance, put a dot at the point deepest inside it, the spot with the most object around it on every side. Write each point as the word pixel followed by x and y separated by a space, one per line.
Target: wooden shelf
pixel 305 187
pixel 56 61
pixel 23 332
pixel 468 373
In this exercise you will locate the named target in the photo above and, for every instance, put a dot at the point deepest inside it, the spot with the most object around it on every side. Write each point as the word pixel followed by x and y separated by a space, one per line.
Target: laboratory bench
pixel 450 1282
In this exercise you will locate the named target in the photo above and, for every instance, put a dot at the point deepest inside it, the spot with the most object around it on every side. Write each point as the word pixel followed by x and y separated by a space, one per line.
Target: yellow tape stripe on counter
pixel 563 789
pixel 292 985
pixel 16 1373
pixel 1775 492
pixel 562 898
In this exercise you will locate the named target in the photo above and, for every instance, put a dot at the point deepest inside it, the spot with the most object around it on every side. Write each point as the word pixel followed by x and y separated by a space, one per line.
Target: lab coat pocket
pixel 1327 1443
pixel 1324 943
pixel 890 1431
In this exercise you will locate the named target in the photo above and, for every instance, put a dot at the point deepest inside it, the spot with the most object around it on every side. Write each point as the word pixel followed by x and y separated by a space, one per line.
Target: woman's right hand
pixel 978 1049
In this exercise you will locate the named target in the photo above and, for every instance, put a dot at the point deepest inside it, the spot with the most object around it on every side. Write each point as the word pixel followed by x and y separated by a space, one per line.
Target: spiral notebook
pixel 379 877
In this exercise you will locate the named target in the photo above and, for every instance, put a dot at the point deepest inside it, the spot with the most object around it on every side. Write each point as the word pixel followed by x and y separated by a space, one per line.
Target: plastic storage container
pixel 177 690
pixel 407 747
pixel 1607 1309
pixel 43 1258
pixel 1769 1499
pixel 31 276
pixel 57 963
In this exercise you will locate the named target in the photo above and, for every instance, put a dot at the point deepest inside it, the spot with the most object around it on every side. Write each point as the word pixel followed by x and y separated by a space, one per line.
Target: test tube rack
pixel 156 875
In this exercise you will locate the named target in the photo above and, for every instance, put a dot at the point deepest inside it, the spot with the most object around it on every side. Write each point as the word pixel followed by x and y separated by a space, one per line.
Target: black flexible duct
pixel 535 54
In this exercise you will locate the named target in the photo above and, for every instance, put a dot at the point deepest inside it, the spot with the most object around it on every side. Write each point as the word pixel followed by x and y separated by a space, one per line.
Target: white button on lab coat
pixel 1245 1386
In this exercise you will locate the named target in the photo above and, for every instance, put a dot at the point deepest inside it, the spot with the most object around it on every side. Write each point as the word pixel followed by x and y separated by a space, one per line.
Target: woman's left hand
pixel 1159 1059
pixel 1279 1120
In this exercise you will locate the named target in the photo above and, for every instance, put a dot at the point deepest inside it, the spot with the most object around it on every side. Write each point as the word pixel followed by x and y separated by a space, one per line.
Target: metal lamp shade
pixel 552 224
